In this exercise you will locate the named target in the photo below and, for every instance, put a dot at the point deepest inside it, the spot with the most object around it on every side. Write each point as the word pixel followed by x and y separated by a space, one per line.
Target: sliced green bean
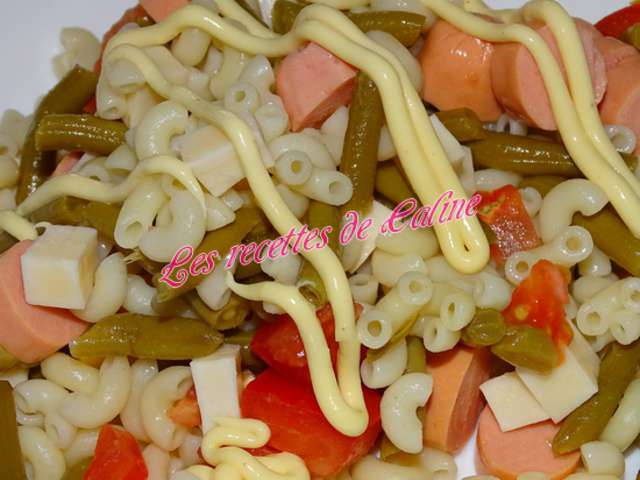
pixel 416 356
pixel 244 339
pixel 173 308
pixel 320 215
pixel 405 26
pixel 10 454
pixel 70 95
pixel 231 316
pixel 612 236
pixel 135 256
pixel 487 328
pixel 463 124
pixel 6 359
pixel 391 184
pixel 221 240
pixel 586 423
pixel 360 152
pixel 63 211
pixel 527 347
pixel 542 183
pixel 102 217
pixel 528 156
pixel 247 271
pixel 143 336
pixel 632 36
pixel 77 471
pixel 79 132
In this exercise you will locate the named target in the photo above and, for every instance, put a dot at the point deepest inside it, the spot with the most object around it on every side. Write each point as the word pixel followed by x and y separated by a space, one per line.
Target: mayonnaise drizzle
pixel 223 447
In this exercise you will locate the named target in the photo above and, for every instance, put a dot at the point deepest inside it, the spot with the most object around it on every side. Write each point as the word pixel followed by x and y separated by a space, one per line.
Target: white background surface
pixel 29 38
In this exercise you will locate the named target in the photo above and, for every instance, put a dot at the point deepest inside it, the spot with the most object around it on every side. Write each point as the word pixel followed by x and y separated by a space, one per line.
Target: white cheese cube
pixel 217 386
pixel 511 402
pixel 569 385
pixel 58 269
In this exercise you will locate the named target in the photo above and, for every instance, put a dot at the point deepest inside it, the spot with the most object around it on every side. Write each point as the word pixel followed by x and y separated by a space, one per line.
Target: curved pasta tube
pixel 374 328
pixel 241 97
pixel 142 372
pixel 16 226
pixel 70 373
pixel 138 212
pixel 364 288
pixel 532 200
pixel 82 447
pixel 158 462
pixel 602 458
pixel 624 426
pixel 159 125
pixel 59 430
pixel 123 77
pixel 42 458
pixel 189 451
pixel 106 402
pixel 564 200
pixel 398 410
pixel 110 104
pixel 403 302
pixel 625 326
pixel 122 159
pixel 190 47
pixel 438 338
pixel 259 73
pixel 293 167
pixel 457 310
pixel 386 369
pixel 491 291
pixel 370 468
pixel 233 62
pixel 623 138
pixel 167 387
pixel 187 228
pixel 139 296
pixel 302 142
pixel 35 398
pixel 77 186
pixel 597 264
pixel 213 289
pixel 388 268
pixel 9 171
pixel 109 290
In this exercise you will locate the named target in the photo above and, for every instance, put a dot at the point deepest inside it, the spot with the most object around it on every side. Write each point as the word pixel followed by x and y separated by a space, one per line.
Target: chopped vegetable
pixel 586 423
pixel 243 339
pixel 487 328
pixel 391 184
pixel 527 347
pixel 79 132
pixel 616 24
pixel 78 471
pixel 143 336
pixel 231 316
pixel 186 411
pixel 503 211
pixel 416 356
pixel 542 183
pixel 463 123
pixel 10 455
pixel 6 359
pixel 298 426
pixel 117 456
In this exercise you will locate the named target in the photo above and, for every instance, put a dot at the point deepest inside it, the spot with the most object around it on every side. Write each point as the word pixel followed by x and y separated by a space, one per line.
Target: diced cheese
pixel 58 269
pixel 511 402
pixel 216 379
pixel 356 252
pixel 569 385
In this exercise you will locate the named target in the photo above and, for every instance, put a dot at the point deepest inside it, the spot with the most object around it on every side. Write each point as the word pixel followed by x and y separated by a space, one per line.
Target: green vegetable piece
pixel 63 211
pixel 542 183
pixel 70 95
pixel 102 217
pixel 586 423
pixel 612 236
pixel 231 316
pixel 244 339
pixel 6 359
pixel 463 124
pixel 487 328
pixel 632 36
pixel 77 471
pixel 11 462
pixel 79 132
pixel 143 336
pixel 221 240
pixel 391 184
pixel 416 356
pixel 527 347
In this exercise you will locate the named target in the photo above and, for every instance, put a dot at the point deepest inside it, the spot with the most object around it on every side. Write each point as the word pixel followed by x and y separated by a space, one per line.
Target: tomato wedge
pixel 298 426
pixel 503 211
pixel 186 411
pixel 617 23
pixel 279 345
pixel 540 299
pixel 117 457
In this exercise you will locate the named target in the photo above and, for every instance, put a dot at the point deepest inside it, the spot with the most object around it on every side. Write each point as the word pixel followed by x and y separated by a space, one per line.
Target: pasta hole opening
pixel 374 328
pixel 297 166
pixel 134 230
pixel 239 96
pixel 593 320
pixel 359 281
pixel 336 188
pixel 573 244
pixel 522 267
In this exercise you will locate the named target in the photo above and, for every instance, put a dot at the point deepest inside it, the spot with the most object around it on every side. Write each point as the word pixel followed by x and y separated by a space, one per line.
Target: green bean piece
pixel 102 217
pixel 79 132
pixel 63 211
pixel 416 356
pixel 247 271
pixel 612 236
pixel 77 471
pixel 542 183
pixel 231 316
pixel 632 36
pixel 391 184
pixel 144 336
pixel 586 423
pixel 360 152
pixel 244 339
pixel 6 241
pixel 135 256
pixel 463 124
pixel 487 328
pixel 387 449
pixel 10 454
pixel 70 95
pixel 528 156
pixel 405 26
pixel 173 308
pixel 221 240
pixel 6 359
pixel 320 215
pixel 527 347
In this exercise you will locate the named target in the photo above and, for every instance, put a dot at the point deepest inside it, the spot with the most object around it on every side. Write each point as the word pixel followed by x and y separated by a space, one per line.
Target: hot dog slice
pixel 528 449
pixel 161 9
pixel 28 332
pixel 456 69
pixel 456 401
pixel 518 84
pixel 614 51
pixel 313 83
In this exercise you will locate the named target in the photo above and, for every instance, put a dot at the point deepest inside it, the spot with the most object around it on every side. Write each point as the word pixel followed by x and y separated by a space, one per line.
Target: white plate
pixel 29 35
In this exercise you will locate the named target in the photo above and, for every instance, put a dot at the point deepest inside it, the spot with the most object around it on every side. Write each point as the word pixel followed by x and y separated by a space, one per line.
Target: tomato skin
pixel 540 299
pixel 505 214
pixel 618 22
pixel 298 425
pixel 186 411
pixel 279 345
pixel 117 457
